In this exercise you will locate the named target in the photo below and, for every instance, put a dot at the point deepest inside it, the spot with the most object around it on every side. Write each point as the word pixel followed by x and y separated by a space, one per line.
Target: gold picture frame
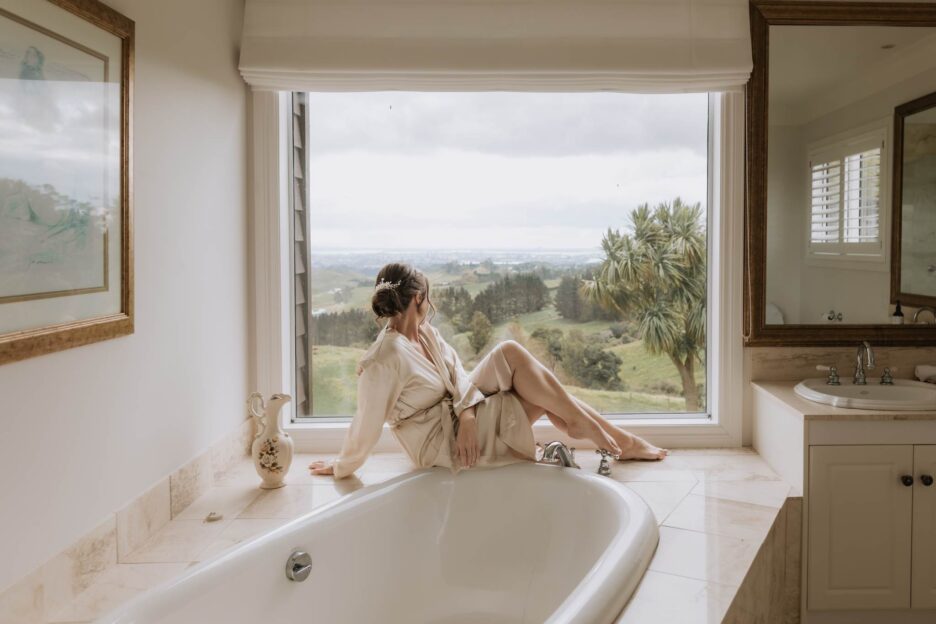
pixel 66 249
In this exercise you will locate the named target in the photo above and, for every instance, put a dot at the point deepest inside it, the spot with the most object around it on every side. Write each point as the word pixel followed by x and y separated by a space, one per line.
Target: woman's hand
pixel 467 451
pixel 322 468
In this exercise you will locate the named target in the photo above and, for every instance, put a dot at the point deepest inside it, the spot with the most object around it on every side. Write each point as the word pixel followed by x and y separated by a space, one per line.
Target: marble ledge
pixel 810 411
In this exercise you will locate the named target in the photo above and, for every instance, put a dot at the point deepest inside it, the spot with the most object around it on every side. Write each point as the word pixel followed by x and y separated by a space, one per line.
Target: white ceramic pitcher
pixel 272 448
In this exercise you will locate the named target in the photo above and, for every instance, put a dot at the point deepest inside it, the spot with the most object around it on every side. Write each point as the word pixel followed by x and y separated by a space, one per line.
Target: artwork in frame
pixel 66 260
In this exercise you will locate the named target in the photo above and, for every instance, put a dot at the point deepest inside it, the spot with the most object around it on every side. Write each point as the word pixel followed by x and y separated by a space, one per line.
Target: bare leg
pixel 536 384
pixel 535 412
pixel 632 447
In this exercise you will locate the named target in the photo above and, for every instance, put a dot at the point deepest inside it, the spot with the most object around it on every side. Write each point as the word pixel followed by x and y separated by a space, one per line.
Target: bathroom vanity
pixel 869 503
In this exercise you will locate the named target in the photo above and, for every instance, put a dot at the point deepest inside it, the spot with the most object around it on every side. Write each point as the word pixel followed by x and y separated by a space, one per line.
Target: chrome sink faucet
pixel 560 454
pixel 864 349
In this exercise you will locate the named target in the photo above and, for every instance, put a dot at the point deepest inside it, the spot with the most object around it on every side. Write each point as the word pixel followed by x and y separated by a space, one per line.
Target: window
pixel 846 217
pixel 515 205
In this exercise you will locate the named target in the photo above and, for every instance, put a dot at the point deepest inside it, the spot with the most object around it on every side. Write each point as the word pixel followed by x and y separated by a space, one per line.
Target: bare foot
pixel 637 448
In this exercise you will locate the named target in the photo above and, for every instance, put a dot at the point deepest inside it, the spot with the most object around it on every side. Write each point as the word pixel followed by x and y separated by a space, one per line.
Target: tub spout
pixel 558 453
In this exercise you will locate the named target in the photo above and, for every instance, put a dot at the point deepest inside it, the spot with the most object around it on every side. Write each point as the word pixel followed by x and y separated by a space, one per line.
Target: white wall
pixel 786 219
pixel 84 431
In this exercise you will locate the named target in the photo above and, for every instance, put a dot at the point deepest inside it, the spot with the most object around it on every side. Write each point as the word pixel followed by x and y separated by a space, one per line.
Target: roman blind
pixel 471 45
pixel 845 199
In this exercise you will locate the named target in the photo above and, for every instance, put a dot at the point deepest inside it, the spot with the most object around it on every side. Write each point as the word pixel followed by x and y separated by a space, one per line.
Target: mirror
pixel 913 267
pixel 822 225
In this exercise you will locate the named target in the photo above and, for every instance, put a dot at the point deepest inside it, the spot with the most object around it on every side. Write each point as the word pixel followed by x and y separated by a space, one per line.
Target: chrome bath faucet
pixel 558 453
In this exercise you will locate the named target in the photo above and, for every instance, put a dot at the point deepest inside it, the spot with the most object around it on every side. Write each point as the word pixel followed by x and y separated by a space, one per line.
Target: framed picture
pixel 66 249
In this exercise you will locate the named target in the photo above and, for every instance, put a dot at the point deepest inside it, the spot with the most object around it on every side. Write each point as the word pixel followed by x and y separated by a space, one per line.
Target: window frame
pixel 838 147
pixel 273 369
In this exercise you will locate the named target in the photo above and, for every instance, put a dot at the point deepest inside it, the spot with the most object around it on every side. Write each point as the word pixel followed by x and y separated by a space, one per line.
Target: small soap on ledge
pixel 214 516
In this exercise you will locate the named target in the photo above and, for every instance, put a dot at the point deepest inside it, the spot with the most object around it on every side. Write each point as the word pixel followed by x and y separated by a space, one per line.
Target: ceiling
pixel 809 64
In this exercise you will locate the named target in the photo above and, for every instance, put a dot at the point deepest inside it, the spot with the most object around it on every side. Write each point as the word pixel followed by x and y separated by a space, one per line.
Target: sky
pixel 515 171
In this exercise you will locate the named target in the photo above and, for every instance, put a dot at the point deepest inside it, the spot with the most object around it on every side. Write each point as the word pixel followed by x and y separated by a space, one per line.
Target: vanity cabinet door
pixel 859 527
pixel 924 527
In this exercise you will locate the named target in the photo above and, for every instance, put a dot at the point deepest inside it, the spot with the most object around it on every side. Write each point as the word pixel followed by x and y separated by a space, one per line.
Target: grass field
pixel 651 382
pixel 335 383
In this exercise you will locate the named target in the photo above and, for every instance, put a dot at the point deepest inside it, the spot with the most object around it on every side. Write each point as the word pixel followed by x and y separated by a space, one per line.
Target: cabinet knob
pixel 907 480
pixel 927 480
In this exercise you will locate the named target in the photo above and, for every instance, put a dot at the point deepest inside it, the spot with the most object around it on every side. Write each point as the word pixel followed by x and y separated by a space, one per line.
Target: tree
pixel 574 306
pixel 481 331
pixel 511 296
pixel 551 340
pixel 656 275
pixel 589 363
pixel 568 302
pixel 455 304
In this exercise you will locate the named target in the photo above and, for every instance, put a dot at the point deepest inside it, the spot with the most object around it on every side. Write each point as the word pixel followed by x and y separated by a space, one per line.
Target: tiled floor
pixel 714 506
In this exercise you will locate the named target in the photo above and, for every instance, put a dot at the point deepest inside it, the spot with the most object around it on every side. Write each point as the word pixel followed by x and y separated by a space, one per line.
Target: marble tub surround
pixel 96 559
pixel 142 518
pixel 197 476
pixel 715 508
pixel 771 590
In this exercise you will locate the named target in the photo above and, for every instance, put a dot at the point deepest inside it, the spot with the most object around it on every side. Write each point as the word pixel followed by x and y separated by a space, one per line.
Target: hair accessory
pixel 385 285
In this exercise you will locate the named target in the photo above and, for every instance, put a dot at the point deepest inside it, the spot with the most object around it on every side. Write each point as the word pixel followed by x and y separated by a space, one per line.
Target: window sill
pixel 694 432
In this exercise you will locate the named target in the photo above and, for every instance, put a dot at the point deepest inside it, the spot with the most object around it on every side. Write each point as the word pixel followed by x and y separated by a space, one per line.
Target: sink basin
pixel 904 395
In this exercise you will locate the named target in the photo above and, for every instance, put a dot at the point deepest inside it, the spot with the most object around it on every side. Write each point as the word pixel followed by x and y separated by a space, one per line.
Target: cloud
pixel 497 170
pixel 507 123
pixel 367 189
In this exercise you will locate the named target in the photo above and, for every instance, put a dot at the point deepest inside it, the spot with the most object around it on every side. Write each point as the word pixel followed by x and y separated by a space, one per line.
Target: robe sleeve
pixel 468 393
pixel 379 387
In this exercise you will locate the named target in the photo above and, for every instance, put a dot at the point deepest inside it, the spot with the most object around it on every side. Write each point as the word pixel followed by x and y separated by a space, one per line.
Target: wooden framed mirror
pixel 913 246
pixel 820 222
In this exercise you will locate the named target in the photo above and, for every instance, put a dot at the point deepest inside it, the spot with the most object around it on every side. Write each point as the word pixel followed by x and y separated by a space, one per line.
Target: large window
pixel 574 223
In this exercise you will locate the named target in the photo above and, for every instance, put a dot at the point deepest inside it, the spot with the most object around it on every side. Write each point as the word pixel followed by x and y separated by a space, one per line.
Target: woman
pixel 441 415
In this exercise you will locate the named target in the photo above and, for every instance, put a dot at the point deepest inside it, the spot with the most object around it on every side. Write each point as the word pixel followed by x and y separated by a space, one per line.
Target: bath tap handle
pixel 604 466
pixel 887 379
pixel 833 379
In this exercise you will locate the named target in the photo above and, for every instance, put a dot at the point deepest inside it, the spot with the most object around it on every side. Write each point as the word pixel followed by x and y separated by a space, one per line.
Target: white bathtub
pixel 524 543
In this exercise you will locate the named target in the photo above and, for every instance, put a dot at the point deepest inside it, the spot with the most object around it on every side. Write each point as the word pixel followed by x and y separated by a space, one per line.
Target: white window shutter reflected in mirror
pixel 861 196
pixel 826 201
pixel 846 215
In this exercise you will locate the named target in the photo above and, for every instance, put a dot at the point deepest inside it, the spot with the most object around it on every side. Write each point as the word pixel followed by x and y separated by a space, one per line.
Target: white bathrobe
pixel 421 401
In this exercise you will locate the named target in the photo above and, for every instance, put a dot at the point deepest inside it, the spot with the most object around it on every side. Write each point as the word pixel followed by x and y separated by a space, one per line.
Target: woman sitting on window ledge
pixel 443 416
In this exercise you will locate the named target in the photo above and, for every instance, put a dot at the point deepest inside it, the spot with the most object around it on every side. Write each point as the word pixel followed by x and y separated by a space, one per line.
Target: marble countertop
pixel 716 509
pixel 783 390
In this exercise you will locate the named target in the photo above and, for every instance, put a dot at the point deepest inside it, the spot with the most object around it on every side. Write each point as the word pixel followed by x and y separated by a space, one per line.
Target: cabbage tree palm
pixel 655 275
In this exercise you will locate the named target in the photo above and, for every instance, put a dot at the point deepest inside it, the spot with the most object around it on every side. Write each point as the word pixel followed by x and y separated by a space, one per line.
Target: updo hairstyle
pixel 406 282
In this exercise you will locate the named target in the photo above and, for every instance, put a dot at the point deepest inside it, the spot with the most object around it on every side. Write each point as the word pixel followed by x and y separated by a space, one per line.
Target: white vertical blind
pixel 628 45
pixel 826 201
pixel 861 209
pixel 845 201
